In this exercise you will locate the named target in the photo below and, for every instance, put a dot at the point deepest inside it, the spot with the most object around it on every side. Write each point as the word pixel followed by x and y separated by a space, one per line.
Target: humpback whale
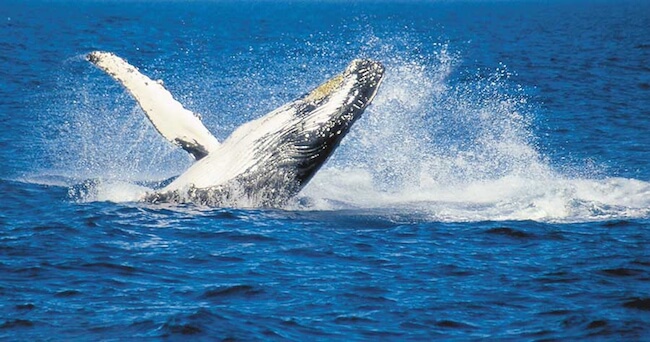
pixel 264 162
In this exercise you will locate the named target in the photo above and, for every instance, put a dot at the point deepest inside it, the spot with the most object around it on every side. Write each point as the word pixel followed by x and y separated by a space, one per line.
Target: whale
pixel 264 162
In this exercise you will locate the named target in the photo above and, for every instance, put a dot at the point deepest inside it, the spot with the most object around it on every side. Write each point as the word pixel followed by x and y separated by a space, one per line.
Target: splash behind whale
pixel 264 162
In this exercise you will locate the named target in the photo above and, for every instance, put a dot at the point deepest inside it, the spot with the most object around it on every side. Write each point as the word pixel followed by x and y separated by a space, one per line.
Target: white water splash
pixel 107 190
pixel 451 150
pixel 97 132
pixel 461 152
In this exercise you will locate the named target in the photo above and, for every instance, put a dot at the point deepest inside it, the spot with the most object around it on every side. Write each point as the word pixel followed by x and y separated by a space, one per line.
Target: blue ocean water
pixel 497 189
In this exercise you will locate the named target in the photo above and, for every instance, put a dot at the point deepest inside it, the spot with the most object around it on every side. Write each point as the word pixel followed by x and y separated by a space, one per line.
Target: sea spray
pixel 98 132
pixel 448 143
pixel 458 145
pixel 423 131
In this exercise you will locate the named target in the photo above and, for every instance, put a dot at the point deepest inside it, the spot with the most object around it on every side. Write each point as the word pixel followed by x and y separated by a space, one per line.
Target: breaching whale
pixel 264 162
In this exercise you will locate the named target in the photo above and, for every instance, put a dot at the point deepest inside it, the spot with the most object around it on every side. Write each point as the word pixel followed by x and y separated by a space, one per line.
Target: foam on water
pixel 107 190
pixel 451 144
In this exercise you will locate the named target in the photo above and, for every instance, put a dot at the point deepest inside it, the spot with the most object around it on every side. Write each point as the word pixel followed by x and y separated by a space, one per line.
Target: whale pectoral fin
pixel 177 124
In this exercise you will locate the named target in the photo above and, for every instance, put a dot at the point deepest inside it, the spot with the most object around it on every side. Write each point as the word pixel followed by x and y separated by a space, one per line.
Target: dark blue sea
pixel 498 188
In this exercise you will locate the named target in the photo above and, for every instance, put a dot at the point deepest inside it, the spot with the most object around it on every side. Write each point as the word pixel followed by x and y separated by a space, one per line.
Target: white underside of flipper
pixel 169 117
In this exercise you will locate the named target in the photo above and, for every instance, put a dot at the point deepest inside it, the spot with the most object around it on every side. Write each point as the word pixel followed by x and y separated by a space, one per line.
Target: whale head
pixel 326 114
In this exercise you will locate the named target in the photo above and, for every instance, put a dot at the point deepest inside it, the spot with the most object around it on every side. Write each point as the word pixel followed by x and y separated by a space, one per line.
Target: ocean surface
pixel 498 188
